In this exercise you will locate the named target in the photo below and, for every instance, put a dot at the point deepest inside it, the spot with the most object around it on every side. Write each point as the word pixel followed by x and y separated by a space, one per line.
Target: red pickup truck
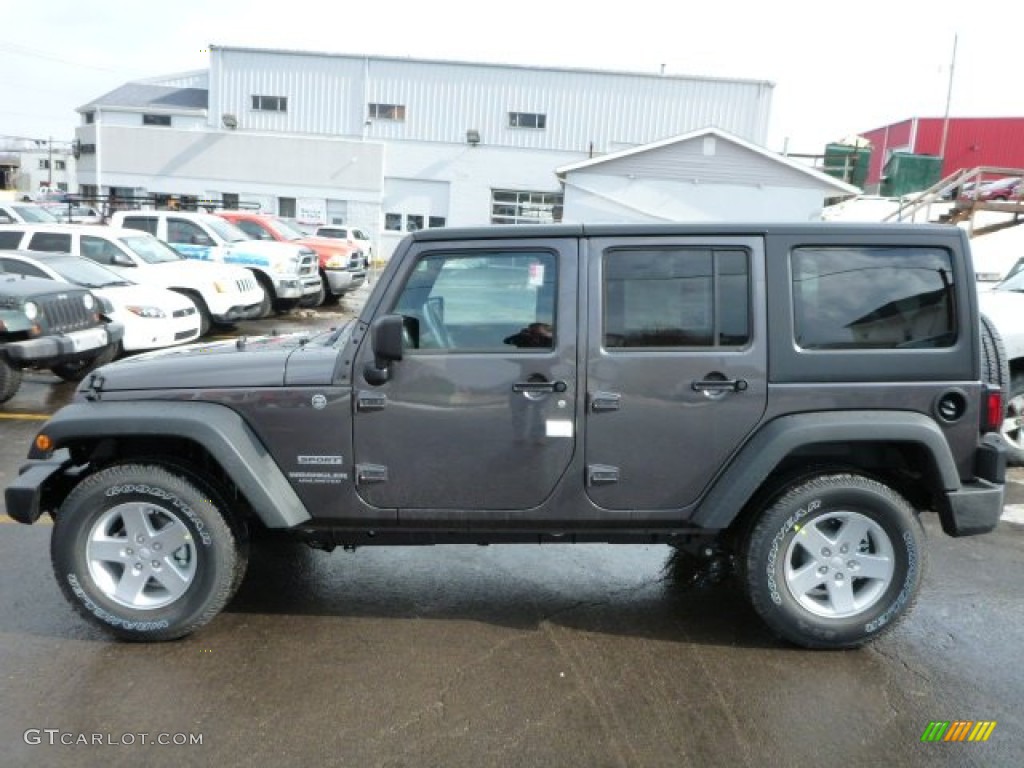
pixel 342 266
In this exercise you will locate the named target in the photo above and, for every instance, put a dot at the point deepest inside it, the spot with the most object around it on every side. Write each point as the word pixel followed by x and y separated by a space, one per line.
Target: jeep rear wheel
pixel 143 553
pixel 10 380
pixel 834 562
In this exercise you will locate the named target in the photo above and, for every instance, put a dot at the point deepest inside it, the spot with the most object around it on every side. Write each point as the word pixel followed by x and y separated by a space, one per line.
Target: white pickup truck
pixel 288 273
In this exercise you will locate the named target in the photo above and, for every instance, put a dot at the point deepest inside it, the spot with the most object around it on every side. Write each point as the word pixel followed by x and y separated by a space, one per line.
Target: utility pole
pixel 949 98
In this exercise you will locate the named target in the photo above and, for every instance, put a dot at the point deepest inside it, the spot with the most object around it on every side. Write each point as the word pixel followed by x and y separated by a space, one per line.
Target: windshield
pixel 286 230
pixel 85 272
pixel 150 250
pixel 225 230
pixel 35 214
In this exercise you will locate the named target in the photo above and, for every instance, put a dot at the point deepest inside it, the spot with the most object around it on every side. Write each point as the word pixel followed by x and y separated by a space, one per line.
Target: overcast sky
pixel 838 68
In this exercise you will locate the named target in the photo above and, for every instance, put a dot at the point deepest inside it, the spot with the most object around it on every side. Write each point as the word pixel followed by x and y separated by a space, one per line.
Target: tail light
pixel 993 409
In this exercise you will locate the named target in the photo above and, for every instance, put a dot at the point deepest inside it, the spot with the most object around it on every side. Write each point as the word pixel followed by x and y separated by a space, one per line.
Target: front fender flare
pixel 217 428
pixel 779 438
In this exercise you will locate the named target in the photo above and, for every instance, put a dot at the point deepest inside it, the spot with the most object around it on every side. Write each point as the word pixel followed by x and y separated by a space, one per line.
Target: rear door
pixel 676 364
pixel 478 415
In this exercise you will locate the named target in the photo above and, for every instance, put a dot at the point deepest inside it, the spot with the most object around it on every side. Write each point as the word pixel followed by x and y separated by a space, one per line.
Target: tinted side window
pixel 253 229
pixel 50 241
pixel 98 249
pixel 184 231
pixel 680 297
pixel 873 298
pixel 144 223
pixel 483 301
pixel 10 240
pixel 15 267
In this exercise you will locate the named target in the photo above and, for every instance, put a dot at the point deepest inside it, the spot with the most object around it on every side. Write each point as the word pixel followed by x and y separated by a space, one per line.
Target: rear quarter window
pixel 50 241
pixel 10 240
pixel 873 298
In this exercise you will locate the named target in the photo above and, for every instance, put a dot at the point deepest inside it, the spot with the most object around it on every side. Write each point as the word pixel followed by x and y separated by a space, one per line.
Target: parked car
pixel 351 235
pixel 1007 188
pixel 153 317
pixel 76 214
pixel 342 264
pixel 51 325
pixel 25 213
pixel 287 272
pixel 222 293
pixel 1003 305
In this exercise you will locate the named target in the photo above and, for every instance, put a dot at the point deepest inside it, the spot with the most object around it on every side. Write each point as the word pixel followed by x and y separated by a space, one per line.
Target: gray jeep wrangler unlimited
pixel 785 399
pixel 51 325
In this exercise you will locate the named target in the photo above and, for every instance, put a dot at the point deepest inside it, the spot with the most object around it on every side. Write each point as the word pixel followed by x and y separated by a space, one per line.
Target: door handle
pixel 720 385
pixel 540 386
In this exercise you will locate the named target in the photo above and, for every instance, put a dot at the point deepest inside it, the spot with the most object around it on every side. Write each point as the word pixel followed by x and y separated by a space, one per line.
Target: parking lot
pixel 559 655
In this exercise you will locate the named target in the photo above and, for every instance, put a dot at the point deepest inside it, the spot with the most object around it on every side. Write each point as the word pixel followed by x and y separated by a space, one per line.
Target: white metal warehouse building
pixel 389 144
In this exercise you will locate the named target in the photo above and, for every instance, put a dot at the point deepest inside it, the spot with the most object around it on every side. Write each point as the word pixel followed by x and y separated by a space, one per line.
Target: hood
pixel 122 296
pixel 262 361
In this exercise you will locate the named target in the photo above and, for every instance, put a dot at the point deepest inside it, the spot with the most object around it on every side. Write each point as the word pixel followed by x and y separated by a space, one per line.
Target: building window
pixel 393 222
pixel 436 221
pixel 87 149
pixel 156 120
pixel 413 223
pixel 44 164
pixel 286 207
pixel 90 118
pixel 62 186
pixel 513 207
pixel 270 103
pixel 526 120
pixel 60 165
pixel 387 112
pixel 229 200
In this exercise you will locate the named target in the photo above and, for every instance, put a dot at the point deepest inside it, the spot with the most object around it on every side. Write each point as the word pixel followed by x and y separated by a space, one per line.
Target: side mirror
pixel 387 342
pixel 122 260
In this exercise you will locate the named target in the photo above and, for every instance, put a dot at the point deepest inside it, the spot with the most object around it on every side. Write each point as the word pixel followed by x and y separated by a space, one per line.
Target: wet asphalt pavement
pixel 553 655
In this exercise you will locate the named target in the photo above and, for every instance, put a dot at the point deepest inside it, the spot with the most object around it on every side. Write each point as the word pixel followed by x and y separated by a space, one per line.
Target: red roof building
pixel 970 142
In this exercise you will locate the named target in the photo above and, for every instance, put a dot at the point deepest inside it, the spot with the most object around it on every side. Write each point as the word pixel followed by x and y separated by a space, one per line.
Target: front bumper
pixel 23 497
pixel 65 346
pixel 344 280
pixel 297 287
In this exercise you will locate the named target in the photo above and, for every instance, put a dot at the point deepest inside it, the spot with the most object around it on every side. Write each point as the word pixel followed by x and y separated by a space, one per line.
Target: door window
pixel 482 302
pixel 185 232
pixel 10 240
pixel 99 250
pixel 143 223
pixel 50 241
pixel 671 298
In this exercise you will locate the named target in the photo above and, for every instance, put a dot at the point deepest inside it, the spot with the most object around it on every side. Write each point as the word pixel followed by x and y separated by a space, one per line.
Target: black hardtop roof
pixel 805 228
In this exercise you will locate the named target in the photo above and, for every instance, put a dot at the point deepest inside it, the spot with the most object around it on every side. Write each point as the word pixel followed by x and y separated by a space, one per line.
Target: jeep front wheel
pixel 10 380
pixel 834 562
pixel 143 553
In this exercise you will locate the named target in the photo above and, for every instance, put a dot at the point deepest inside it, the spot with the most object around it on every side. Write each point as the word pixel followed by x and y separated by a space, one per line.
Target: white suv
pixel 287 272
pixel 221 292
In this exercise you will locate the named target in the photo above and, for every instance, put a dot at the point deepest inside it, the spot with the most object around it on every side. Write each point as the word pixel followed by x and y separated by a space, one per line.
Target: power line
pixel 21 50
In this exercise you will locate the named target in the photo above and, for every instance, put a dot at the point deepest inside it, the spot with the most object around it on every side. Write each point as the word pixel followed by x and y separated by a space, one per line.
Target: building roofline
pixel 494 65
pixel 718 133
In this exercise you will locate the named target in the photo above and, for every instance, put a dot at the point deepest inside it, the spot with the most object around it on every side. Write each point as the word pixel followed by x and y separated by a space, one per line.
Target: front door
pixel 676 356
pixel 478 415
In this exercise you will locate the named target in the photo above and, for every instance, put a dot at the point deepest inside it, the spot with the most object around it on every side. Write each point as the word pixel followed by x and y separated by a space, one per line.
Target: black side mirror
pixel 387 341
pixel 122 260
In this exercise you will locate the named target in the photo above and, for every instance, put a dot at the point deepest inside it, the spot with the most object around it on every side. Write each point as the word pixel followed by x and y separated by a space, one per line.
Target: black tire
pixel 995 365
pixel 798 561
pixel 95 550
pixel 205 319
pixel 1012 430
pixel 316 299
pixel 79 369
pixel 10 380
pixel 330 298
pixel 267 304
